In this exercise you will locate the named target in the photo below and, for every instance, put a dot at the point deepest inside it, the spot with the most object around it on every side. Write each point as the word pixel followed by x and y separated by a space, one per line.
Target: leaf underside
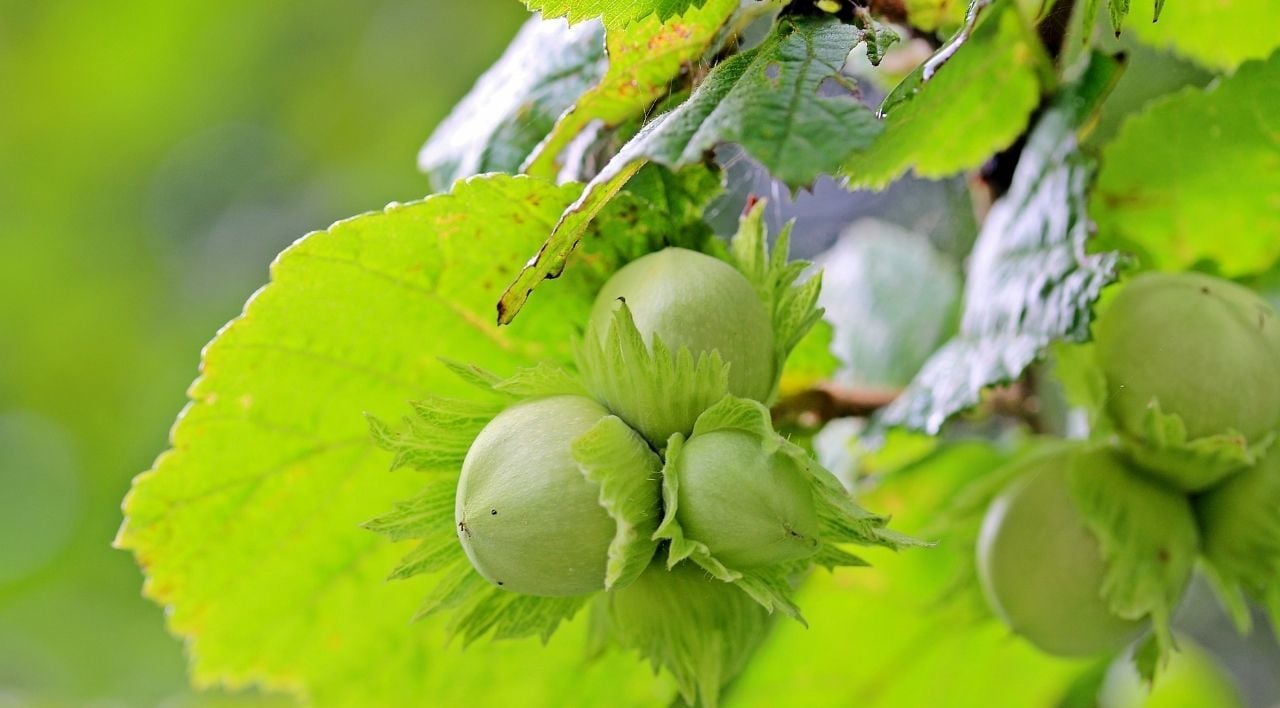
pixel 1030 281
pixel 879 279
pixel 513 106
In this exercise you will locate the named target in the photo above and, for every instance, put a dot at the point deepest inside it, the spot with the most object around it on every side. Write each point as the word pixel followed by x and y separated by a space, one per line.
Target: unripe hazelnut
pixel 1205 349
pixel 528 518
pixel 750 507
pixel 1041 567
pixel 692 300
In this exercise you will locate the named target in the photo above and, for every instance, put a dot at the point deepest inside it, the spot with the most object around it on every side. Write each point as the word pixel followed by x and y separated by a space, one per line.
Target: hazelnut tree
pixel 613 419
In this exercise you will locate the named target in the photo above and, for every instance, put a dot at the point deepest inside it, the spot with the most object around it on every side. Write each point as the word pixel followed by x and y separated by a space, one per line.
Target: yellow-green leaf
pixel 1196 176
pixel 248 527
pixel 645 57
pixel 1221 34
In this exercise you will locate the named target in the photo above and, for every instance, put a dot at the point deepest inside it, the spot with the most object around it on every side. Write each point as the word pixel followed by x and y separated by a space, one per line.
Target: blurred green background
pixel 154 156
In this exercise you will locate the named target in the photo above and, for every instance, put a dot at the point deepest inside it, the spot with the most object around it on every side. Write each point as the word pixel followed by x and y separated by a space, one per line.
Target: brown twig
pixel 829 401
pixel 1016 400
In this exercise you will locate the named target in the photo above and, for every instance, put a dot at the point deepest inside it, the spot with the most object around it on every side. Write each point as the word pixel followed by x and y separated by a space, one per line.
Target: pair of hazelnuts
pixel 1191 365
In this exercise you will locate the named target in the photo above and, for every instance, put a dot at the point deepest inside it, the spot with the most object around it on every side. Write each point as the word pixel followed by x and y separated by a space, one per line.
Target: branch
pixel 829 401
pixel 825 402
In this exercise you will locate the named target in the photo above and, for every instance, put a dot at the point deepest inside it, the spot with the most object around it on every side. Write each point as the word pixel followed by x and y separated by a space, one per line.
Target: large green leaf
pixel 970 100
pixel 645 58
pixel 766 99
pixel 614 13
pixel 1221 34
pixel 248 528
pixel 516 102
pixel 1197 176
pixel 1030 282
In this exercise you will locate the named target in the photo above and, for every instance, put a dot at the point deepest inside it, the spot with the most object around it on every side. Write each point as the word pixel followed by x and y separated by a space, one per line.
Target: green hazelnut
pixel 749 507
pixel 528 518
pixel 689 299
pixel 1203 348
pixel 1042 569
pixel 1192 677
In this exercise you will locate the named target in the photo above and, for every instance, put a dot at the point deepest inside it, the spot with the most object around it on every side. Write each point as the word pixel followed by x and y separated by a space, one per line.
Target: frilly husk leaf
pixel 793 307
pixel 698 628
pixel 1240 520
pixel 1191 465
pixel 637 382
pixel 614 456
pixel 436 438
pixel 1147 535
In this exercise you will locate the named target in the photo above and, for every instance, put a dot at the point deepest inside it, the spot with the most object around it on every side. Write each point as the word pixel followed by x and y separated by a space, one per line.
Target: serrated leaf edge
pixel 793 306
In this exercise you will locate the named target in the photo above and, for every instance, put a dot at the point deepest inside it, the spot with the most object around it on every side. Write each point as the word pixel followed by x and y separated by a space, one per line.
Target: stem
pixel 828 401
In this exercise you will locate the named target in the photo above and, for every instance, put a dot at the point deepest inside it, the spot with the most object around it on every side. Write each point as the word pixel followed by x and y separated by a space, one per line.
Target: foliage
pixel 645 59
pixel 892 299
pixel 1159 198
pixel 201 139
pixel 271 476
pixel 1029 282
pixel 1222 36
pixel 249 527
pixel 614 13
pixel 766 99
pixel 972 98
